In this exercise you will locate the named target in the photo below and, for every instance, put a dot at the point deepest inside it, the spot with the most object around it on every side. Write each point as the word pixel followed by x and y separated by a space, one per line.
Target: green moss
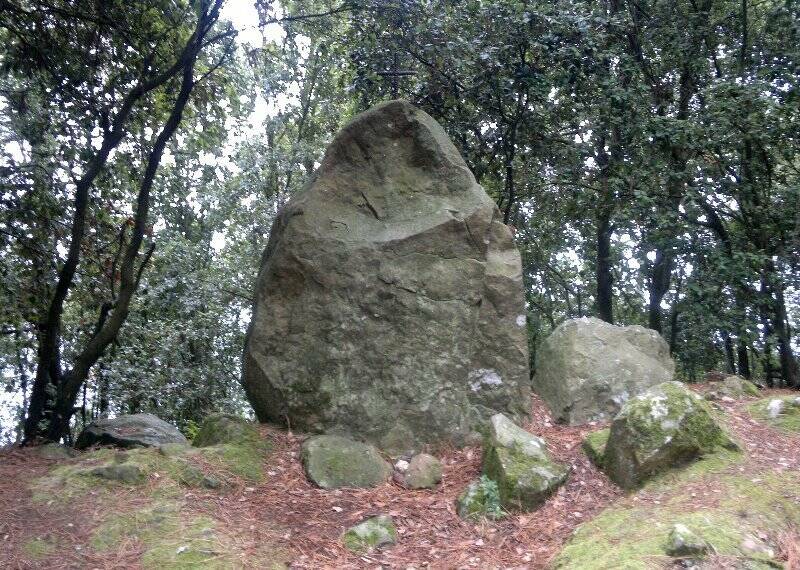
pixel 241 460
pixel 39 548
pixel 594 446
pixel 172 539
pixel 633 534
pixel 104 470
pixel 788 420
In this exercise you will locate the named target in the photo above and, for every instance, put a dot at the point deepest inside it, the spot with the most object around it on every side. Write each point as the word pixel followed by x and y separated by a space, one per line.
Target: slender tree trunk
pixel 605 293
pixel 603 232
pixel 730 359
pixel 658 288
pixel 743 359
pixel 789 372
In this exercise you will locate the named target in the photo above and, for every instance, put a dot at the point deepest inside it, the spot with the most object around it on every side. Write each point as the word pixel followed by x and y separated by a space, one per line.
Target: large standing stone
pixel 135 430
pixel 587 368
pixel 389 305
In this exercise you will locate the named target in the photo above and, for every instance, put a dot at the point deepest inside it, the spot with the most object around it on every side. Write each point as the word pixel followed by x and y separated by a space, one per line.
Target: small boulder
pixel 519 463
pixel 372 533
pixel 121 472
pixel 594 446
pixel 683 542
pixel 666 426
pixel 481 499
pixel 587 368
pixel 422 472
pixel 332 461
pixel 176 449
pixel 135 430
pixel 731 388
pixel 225 428
pixel 775 408
pixel 54 451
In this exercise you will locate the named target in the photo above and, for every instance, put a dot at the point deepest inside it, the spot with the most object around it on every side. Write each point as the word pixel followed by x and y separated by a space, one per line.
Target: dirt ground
pixel 305 523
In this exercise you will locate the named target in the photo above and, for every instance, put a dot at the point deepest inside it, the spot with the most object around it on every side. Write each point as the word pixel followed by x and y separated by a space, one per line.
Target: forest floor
pixel 282 520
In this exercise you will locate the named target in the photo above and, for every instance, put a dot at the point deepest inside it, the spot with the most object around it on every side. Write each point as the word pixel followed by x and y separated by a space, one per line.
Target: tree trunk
pixel 730 363
pixel 54 393
pixel 743 359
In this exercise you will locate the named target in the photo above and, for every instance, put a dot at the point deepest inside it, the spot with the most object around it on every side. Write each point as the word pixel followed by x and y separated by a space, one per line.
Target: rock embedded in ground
pixel 423 471
pixel 120 472
pixel 594 446
pixel 731 388
pixel 683 542
pixel 372 533
pixel 775 408
pixel 519 463
pixel 225 428
pixel 332 461
pixel 54 451
pixel 389 304
pixel 135 430
pixel 481 499
pixel 664 427
pixel 587 368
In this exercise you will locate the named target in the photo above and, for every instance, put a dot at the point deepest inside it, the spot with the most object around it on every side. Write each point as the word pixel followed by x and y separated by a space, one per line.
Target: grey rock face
pixel 136 430
pixel 389 305
pixel 587 369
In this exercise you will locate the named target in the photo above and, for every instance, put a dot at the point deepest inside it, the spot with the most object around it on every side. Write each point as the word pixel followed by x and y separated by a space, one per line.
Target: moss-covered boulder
pixel 375 532
pixel 423 471
pixel 122 472
pixel 54 451
pixel 734 387
pixel 225 428
pixel 134 430
pixel 332 461
pixel 684 542
pixel 519 463
pixel 666 426
pixel 481 499
pixel 594 446
pixel 233 442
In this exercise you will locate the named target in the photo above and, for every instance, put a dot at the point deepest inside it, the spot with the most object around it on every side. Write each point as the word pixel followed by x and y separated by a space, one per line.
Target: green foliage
pixel 667 130
pixel 481 499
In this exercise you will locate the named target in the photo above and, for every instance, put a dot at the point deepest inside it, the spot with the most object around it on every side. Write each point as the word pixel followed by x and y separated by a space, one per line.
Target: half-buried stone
pixel 332 461
pixel 667 426
pixel 372 533
pixel 389 305
pixel 423 471
pixel 519 463
pixel 221 428
pixel 587 368
pixel 135 430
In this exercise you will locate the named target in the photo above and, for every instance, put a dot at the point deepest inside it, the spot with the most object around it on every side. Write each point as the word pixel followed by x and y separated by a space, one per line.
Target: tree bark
pixel 54 392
